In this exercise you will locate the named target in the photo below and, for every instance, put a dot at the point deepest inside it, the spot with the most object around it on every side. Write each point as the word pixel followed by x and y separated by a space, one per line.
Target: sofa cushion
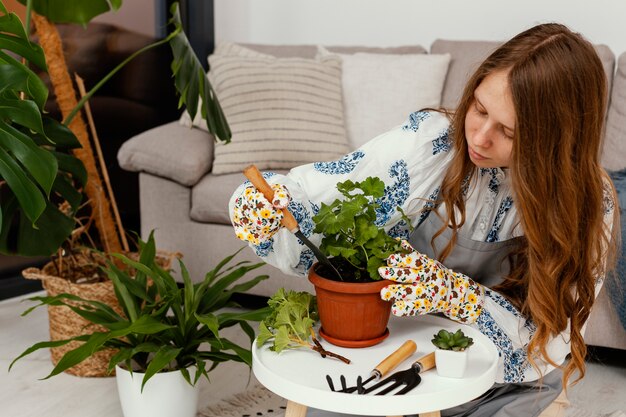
pixel 466 56
pixel 283 112
pixel 614 151
pixel 381 90
pixel 210 197
pixel 170 151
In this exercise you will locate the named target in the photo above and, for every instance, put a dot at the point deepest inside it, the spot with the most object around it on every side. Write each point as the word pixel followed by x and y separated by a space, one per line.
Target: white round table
pixel 300 375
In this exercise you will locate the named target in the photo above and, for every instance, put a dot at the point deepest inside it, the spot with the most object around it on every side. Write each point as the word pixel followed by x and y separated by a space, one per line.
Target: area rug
pixel 254 402
pixel 260 402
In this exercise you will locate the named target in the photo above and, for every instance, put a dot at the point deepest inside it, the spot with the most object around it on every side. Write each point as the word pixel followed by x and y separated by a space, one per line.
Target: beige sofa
pixel 186 204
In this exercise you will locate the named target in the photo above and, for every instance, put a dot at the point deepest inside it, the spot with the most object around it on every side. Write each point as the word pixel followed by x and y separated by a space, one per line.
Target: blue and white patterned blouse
pixel 412 160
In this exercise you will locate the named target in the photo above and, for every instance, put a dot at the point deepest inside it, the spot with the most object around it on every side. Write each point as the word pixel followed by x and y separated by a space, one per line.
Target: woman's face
pixel 490 122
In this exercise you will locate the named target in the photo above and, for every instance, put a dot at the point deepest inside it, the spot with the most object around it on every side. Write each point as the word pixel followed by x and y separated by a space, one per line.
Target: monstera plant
pixel 46 165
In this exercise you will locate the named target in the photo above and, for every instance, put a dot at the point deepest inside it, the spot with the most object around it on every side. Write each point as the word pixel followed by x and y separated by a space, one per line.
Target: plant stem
pixel 317 347
pixel 29 8
pixel 320 349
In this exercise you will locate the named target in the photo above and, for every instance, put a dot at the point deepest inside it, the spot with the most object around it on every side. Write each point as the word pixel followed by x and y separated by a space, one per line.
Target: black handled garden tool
pixel 409 377
pixel 256 178
pixel 387 364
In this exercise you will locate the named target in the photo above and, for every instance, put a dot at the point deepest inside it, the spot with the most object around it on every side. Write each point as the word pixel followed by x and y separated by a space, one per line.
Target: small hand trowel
pixel 256 178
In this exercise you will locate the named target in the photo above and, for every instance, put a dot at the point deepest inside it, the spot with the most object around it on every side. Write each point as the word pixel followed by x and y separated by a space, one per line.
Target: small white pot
pixel 450 364
pixel 164 395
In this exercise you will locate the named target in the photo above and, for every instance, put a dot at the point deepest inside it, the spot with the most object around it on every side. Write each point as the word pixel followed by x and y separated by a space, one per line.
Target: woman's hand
pixel 426 286
pixel 255 218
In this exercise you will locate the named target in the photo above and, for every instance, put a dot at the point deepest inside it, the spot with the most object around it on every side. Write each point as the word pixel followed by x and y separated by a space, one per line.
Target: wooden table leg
pixel 295 409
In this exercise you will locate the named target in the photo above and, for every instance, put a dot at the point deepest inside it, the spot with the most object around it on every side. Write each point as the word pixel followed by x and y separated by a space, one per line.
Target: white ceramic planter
pixel 164 395
pixel 450 364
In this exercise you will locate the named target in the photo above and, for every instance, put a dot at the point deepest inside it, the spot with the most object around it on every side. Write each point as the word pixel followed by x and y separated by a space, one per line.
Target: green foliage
pixel 191 82
pixel 349 228
pixel 452 341
pixel 162 326
pixel 37 168
pixel 290 322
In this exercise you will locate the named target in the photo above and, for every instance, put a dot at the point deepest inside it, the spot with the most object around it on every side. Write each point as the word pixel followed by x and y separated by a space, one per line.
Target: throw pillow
pixel 381 90
pixel 225 49
pixel 616 283
pixel 282 112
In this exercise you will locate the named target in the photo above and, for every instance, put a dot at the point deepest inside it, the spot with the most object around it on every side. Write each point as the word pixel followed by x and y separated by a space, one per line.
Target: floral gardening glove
pixel 255 218
pixel 426 286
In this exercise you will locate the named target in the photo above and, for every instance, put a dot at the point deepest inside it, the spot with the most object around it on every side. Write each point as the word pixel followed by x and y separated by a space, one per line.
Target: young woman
pixel 507 193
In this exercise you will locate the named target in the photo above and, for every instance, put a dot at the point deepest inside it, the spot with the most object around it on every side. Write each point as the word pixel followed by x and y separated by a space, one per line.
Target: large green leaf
pixel 30 197
pixel 37 166
pixel 61 136
pixel 22 112
pixel 50 230
pixel 15 39
pixel 39 162
pixel 73 11
pixel 15 77
pixel 191 82
pixel 19 236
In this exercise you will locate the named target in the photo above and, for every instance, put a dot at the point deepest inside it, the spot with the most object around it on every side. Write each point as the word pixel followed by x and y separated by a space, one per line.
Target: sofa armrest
pixel 170 151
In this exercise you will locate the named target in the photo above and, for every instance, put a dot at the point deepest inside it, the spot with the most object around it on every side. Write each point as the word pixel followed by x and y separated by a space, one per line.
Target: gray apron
pixel 487 263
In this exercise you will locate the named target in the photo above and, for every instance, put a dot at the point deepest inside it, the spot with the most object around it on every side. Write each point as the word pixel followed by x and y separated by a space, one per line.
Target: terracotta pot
pixel 352 313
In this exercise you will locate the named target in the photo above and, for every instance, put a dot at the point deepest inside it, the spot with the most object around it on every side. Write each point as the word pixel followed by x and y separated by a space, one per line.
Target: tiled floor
pixel 23 394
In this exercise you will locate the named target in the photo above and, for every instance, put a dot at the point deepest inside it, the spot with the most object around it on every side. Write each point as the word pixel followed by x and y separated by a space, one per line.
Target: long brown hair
pixel 559 92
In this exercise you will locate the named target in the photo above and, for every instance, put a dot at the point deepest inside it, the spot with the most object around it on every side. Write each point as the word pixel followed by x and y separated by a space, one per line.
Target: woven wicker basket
pixel 65 324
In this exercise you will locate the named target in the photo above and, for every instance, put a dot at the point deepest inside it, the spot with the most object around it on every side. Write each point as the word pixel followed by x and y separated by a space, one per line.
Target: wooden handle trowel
pixel 256 178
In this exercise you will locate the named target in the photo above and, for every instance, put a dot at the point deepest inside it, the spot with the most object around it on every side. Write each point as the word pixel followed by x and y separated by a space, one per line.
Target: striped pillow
pixel 283 112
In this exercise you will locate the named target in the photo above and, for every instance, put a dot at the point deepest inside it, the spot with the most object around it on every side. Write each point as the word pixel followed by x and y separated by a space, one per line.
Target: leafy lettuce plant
pixel 163 327
pixel 290 322
pixel 350 233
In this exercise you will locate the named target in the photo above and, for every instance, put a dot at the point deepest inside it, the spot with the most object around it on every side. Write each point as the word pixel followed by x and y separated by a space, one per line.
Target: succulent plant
pixel 452 341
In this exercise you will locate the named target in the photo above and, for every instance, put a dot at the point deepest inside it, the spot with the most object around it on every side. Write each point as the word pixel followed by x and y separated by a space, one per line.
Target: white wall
pixel 401 22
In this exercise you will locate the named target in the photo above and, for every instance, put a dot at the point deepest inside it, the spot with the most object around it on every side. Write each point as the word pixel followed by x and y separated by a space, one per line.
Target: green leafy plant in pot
pixel 351 311
pixel 48 166
pixel 46 162
pixel 164 327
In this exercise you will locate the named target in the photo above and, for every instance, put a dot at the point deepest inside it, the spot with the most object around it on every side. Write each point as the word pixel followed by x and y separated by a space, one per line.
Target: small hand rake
pixel 387 364
pixel 410 378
